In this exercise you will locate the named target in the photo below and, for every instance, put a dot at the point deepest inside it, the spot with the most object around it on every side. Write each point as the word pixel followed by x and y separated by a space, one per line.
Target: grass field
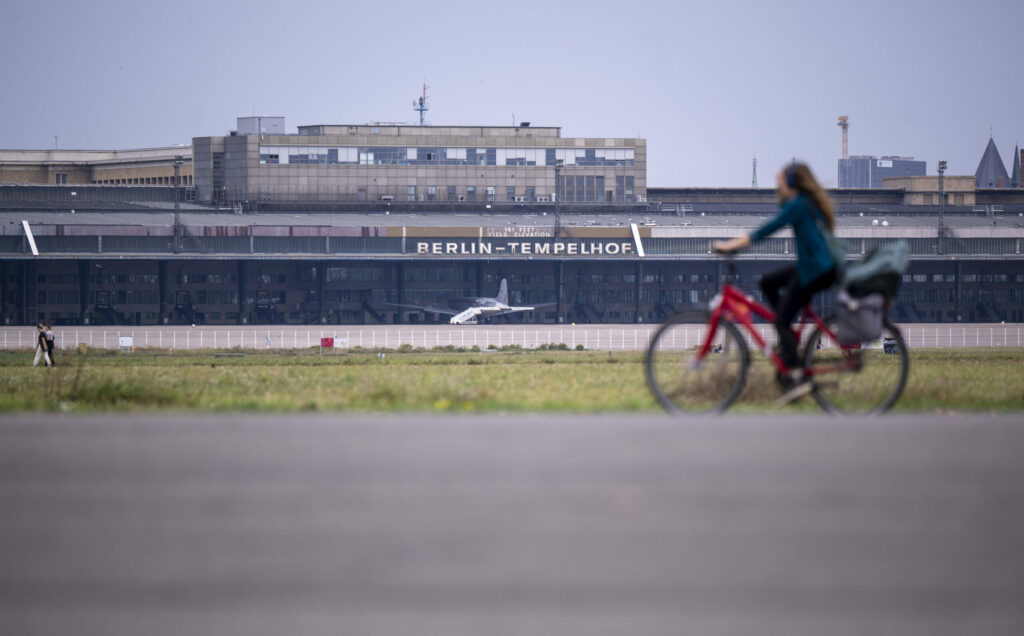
pixel 511 380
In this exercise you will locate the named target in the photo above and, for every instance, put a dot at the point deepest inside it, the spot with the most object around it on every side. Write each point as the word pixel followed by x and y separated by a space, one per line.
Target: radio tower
pixel 844 123
pixel 753 180
pixel 421 103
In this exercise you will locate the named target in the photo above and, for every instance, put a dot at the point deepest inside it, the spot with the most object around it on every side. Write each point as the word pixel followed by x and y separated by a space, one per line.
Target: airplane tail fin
pixel 503 292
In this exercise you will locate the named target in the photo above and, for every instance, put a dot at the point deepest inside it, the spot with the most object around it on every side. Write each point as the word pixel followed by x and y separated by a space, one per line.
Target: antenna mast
pixel 421 103
pixel 844 123
pixel 753 180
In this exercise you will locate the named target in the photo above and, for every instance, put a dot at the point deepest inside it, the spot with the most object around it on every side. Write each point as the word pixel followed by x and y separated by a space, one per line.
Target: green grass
pixel 451 381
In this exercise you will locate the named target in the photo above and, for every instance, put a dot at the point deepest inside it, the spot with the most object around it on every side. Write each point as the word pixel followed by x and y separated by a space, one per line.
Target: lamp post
pixel 942 207
pixel 178 161
pixel 558 197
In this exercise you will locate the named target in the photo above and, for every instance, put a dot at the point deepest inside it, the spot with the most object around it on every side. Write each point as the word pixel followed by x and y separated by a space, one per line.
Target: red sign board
pixel 326 343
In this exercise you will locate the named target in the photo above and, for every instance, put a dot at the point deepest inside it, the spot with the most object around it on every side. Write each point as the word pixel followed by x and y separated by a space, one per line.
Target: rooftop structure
pixel 394 162
pixel 991 172
pixel 1015 177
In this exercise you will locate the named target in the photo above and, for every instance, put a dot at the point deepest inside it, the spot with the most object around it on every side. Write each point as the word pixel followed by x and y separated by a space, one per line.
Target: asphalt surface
pixel 511 525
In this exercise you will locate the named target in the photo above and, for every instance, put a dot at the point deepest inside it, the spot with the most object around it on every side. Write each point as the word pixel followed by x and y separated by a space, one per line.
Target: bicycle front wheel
pixel 681 383
pixel 865 379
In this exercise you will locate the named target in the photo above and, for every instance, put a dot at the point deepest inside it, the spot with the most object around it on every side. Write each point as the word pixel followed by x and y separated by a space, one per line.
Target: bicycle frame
pixel 734 305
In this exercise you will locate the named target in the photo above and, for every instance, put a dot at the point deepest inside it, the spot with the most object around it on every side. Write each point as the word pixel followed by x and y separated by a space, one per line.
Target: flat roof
pixel 377 219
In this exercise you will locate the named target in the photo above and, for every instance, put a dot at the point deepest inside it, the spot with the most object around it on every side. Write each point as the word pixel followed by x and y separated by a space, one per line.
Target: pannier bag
pixel 878 272
pixel 859 320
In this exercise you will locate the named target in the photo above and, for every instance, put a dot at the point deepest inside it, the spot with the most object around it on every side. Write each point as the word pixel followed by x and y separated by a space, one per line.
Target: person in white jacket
pixel 41 350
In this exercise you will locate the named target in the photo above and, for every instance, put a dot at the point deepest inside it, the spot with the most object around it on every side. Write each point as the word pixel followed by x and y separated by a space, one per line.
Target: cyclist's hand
pixel 732 245
pixel 722 247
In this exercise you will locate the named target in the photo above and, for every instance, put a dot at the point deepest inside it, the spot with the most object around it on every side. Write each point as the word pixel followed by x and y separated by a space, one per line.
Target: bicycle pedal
pixel 795 393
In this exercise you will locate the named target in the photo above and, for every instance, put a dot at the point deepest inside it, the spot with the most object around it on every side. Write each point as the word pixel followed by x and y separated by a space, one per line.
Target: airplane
pixel 466 310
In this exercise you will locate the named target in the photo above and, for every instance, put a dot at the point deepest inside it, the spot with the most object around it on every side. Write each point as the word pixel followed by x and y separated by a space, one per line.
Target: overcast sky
pixel 708 84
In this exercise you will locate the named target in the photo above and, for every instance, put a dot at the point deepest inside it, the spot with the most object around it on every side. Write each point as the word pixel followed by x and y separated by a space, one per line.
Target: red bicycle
pixel 858 378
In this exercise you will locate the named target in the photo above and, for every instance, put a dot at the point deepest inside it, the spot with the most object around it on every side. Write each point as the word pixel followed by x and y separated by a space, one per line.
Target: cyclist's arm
pixel 787 214
pixel 732 245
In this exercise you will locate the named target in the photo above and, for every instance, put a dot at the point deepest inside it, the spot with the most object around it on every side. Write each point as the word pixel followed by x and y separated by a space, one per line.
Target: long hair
pixel 800 178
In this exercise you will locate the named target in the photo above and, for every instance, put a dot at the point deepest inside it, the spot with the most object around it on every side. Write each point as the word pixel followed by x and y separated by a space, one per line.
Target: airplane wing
pixel 435 310
pixel 534 308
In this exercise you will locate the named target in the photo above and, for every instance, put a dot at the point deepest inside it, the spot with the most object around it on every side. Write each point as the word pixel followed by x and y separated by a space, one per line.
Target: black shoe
pixel 784 381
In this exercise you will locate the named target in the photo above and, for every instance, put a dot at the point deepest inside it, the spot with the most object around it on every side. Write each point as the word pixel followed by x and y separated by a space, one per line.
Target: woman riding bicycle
pixel 802 204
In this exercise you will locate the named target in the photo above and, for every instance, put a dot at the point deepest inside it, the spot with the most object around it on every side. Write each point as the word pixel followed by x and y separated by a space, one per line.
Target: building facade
pixel 135 268
pixel 868 172
pixel 139 167
pixel 455 164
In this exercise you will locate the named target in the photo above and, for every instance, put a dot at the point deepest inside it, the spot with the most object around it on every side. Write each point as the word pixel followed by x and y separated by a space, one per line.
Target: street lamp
pixel 942 207
pixel 178 161
pixel 558 197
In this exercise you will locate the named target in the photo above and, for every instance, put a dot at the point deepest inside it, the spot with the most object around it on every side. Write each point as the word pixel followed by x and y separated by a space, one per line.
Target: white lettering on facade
pixel 595 248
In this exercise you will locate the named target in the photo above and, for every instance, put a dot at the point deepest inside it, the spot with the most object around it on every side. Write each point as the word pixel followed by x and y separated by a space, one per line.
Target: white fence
pixel 592 337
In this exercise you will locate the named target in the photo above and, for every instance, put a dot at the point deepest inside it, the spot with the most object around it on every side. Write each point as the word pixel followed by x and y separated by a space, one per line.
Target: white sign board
pixel 884 163
pixel 126 342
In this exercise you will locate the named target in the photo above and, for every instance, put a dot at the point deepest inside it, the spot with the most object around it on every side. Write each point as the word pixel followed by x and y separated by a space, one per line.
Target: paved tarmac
pixel 616 524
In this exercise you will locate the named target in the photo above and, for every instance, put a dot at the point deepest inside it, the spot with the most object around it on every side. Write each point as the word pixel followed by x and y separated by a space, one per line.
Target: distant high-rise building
pixel 991 172
pixel 863 171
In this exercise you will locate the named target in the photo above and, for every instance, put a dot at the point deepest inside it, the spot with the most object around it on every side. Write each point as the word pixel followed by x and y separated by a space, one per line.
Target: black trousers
pixel 787 305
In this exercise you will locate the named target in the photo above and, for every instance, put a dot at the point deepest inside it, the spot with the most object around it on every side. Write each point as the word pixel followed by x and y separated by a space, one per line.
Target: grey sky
pixel 708 84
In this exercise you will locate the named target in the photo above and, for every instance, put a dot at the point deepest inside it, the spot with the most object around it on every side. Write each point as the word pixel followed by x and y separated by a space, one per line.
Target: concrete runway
pixel 599 337
pixel 232 525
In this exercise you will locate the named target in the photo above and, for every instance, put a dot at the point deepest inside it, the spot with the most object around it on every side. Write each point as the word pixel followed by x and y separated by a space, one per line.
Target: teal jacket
pixel 812 256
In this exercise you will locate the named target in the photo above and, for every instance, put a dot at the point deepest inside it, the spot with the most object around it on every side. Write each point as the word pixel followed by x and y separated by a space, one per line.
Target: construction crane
pixel 844 123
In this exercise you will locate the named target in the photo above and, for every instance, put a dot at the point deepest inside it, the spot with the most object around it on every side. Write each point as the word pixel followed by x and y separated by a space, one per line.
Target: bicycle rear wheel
pixel 680 384
pixel 865 379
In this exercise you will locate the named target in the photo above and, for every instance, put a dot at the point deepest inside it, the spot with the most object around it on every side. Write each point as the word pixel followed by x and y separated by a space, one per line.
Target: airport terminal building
pixel 339 224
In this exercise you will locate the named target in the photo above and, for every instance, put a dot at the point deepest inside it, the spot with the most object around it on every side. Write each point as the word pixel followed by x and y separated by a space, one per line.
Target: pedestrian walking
pixel 50 340
pixel 41 351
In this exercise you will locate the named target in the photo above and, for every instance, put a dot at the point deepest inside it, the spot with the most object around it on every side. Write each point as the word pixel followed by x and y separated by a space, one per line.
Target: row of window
pixel 433 156
pixel 598 296
pixel 57 297
pixel 964 278
pixel 185 179
pixel 123 279
pixel 442 274
pixel 187 278
pixel 966 295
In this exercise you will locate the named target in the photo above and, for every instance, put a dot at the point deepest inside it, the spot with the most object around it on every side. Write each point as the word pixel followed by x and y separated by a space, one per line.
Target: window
pixel 471 193
pixel 490 193
pixel 62 178
pixel 451 193
pixel 411 193
pixel 510 193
